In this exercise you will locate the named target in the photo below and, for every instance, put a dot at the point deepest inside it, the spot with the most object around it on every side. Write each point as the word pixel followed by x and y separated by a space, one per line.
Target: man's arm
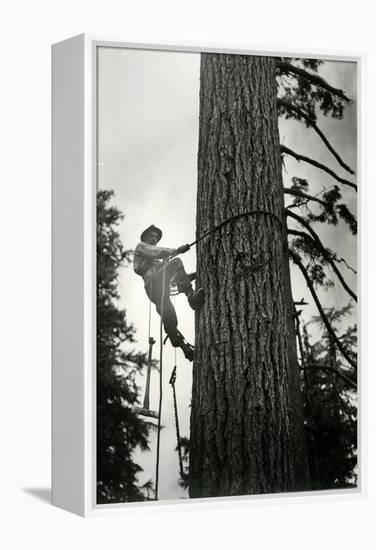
pixel 154 252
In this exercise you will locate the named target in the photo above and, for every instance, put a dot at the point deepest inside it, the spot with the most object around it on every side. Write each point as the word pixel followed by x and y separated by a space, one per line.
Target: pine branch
pixel 318 244
pixel 332 369
pixel 300 194
pixel 326 254
pixel 288 68
pixel 331 210
pixel 291 107
pixel 299 157
pixel 336 340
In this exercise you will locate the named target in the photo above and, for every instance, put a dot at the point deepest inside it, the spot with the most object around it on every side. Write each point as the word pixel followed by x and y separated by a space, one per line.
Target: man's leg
pixel 167 312
pixel 176 273
pixel 165 309
pixel 170 322
pixel 175 270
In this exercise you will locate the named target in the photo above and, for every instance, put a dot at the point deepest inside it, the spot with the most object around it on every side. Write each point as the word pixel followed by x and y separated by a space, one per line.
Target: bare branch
pixel 325 319
pixel 331 369
pixel 312 78
pixel 297 205
pixel 299 157
pixel 339 260
pixel 318 244
pixel 301 303
pixel 300 341
pixel 291 107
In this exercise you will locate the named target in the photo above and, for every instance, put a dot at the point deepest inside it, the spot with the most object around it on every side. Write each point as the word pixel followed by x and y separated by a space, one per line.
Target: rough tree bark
pixel 247 434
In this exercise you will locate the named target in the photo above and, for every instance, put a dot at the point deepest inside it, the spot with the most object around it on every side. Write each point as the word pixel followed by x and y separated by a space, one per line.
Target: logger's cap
pixel 151 228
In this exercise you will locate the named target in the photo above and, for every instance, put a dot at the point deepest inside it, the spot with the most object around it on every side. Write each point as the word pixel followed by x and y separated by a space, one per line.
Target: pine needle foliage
pixel 119 430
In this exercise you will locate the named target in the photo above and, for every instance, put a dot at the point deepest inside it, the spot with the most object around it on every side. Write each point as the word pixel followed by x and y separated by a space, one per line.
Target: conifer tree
pixel 330 403
pixel 119 430
pixel 247 421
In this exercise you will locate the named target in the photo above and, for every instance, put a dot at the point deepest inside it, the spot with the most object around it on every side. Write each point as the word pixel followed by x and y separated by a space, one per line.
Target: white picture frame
pixel 74 170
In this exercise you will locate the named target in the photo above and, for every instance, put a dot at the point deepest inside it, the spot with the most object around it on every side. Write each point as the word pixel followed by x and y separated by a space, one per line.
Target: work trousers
pixel 173 269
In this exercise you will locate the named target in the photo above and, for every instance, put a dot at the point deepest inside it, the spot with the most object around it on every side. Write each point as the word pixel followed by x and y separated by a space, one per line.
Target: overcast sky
pixel 148 109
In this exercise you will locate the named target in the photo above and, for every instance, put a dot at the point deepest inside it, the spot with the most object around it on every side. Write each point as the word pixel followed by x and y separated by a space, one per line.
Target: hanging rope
pixel 151 342
pixel 175 350
pixel 145 409
pixel 160 386
pixel 151 291
pixel 172 381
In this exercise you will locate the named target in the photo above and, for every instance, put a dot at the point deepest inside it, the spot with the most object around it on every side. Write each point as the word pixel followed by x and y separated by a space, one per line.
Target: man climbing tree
pixel 247 431
pixel 147 263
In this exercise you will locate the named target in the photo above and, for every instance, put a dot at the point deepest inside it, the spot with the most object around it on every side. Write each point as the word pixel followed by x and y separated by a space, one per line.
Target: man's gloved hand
pixel 182 249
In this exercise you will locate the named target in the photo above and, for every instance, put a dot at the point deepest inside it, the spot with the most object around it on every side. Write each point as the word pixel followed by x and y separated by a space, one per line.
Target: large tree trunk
pixel 247 432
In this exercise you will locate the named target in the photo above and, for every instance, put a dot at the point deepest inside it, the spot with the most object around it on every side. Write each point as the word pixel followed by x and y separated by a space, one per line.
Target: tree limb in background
pixel 332 369
pixel 300 343
pixel 315 241
pixel 288 68
pixel 304 369
pixel 325 252
pixel 299 157
pixel 296 259
pixel 302 195
pixel 339 260
pixel 331 210
pixel 311 122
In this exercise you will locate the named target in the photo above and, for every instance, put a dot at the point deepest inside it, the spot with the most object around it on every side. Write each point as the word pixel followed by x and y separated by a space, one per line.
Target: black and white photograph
pixel 226 275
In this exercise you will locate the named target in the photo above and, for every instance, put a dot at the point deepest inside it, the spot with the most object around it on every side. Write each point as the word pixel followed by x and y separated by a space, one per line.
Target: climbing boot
pixel 196 299
pixel 183 282
pixel 178 341
pixel 188 350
